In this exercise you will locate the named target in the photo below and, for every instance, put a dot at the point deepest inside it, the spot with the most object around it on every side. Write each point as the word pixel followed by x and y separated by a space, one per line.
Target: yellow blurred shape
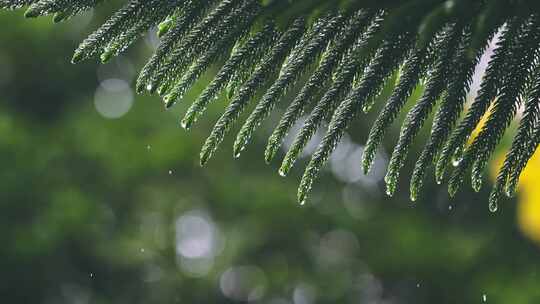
pixel 528 208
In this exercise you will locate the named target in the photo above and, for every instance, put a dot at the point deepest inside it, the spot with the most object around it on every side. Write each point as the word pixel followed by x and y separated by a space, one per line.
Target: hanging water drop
pixel 183 124
pixel 477 183
pixel 493 207
pixel 510 190
pixel 188 121
pixel 367 107
pixel 169 101
pixel 438 177
pixel 170 172
pixel 391 184
pixel 484 298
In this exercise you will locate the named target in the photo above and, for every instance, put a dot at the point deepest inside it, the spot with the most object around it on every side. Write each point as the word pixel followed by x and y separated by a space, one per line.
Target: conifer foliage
pixel 339 55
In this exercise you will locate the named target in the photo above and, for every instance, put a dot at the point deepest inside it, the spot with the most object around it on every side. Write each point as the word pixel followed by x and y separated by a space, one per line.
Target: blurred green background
pixel 102 200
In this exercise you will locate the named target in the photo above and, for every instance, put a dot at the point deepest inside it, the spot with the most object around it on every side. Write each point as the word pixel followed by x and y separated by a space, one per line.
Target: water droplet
pixel 456 162
pixel 510 191
pixel 417 285
pixel 170 172
pixel 149 87
pixel 91 274
pixel 148 147
pixel 168 100
pixel 366 108
pixel 477 183
pixel 450 207
pixel 282 172
pixel 302 203
pixel 438 181
pixel 142 250
pixel 493 207
pixel 390 185
pixel 484 298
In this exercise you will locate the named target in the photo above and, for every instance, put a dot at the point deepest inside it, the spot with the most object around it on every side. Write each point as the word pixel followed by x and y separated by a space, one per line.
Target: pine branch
pixel 525 142
pixel 488 91
pixel 260 76
pixel 504 107
pixel 243 57
pixel 353 64
pixel 304 54
pixel 266 46
pixel 415 119
pixel 383 64
pixel 318 80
